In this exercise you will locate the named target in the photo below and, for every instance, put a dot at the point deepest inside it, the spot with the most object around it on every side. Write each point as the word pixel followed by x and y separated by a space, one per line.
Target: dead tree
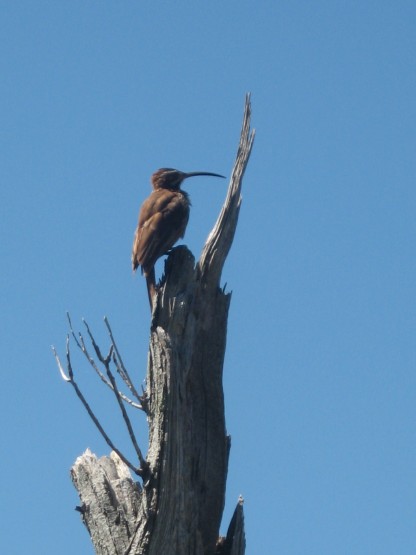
pixel 176 506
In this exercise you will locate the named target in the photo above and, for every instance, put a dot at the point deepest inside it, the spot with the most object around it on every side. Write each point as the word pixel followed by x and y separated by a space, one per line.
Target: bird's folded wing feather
pixel 162 221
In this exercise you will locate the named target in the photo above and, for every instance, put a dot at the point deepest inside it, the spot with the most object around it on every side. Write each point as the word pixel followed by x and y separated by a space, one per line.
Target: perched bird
pixel 163 219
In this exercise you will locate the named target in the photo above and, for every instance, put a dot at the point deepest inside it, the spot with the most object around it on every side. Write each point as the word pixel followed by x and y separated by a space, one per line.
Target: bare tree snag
pixel 177 509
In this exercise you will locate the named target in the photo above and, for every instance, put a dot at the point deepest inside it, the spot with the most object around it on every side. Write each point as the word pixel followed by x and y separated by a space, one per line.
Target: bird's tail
pixel 151 286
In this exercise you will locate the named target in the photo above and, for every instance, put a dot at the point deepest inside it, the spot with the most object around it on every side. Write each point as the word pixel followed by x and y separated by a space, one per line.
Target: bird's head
pixel 168 178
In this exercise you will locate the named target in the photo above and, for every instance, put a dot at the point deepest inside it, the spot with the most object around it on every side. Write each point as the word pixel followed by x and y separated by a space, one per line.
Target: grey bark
pixel 177 510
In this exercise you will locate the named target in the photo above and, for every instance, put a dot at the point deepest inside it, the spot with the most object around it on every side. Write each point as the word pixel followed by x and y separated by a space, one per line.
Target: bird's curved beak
pixel 194 174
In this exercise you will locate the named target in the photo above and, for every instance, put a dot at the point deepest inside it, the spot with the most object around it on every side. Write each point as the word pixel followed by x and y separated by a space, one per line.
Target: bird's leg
pixel 151 286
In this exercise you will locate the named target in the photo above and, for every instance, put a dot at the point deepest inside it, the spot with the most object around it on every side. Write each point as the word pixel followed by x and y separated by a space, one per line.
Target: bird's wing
pixel 162 221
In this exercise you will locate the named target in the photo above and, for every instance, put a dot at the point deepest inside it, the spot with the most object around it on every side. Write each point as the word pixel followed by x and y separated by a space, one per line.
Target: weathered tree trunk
pixel 178 508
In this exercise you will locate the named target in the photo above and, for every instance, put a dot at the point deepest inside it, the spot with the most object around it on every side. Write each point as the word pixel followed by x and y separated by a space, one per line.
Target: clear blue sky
pixel 320 371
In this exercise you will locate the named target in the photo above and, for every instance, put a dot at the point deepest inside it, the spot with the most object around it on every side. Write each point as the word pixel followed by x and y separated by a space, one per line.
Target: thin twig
pixel 143 463
pixel 71 380
pixel 92 362
pixel 103 361
pixel 124 397
pixel 94 344
pixel 81 345
pixel 72 330
pixel 58 362
pixel 68 360
pixel 124 374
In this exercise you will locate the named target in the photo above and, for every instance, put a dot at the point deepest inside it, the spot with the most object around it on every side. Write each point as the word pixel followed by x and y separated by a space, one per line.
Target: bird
pixel 163 218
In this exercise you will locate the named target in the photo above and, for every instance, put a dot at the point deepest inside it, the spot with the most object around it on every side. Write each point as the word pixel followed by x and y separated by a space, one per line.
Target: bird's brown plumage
pixel 163 219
